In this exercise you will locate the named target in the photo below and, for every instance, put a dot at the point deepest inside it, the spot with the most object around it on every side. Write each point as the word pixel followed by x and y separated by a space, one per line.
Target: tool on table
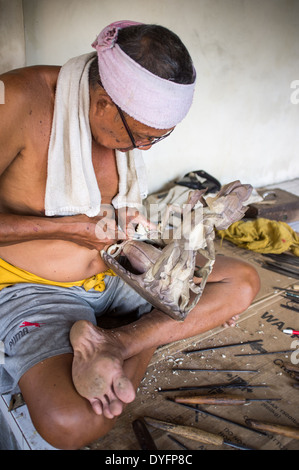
pixel 214 370
pixel 287 431
pixel 289 306
pixel 143 435
pixel 265 353
pixel 292 295
pixel 219 400
pixel 293 289
pixel 222 346
pixel 212 386
pixel 287 265
pixel 193 433
pixel 291 367
pixel 197 409
pixel 290 331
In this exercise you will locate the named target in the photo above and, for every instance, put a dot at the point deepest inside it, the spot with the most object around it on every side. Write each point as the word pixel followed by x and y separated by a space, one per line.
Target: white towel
pixel 71 182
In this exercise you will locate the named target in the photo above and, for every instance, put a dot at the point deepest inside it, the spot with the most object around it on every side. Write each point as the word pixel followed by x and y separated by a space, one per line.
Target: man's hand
pixel 128 220
pixel 92 232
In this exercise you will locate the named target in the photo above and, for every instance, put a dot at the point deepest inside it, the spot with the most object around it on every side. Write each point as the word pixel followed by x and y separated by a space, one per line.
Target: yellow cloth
pixel 263 236
pixel 10 275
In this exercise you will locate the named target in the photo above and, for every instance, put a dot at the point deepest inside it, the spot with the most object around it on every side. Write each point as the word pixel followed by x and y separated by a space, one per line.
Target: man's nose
pixel 144 146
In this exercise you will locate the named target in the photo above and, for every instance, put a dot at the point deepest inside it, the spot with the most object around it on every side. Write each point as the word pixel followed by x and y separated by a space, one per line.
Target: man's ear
pixel 103 102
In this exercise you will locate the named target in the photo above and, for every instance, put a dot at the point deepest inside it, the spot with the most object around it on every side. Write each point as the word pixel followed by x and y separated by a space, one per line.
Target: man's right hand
pixel 92 232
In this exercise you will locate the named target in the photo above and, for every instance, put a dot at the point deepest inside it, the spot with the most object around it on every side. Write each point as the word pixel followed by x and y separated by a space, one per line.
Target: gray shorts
pixel 35 321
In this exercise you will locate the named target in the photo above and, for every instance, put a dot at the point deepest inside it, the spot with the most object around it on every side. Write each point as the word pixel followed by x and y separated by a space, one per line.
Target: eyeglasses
pixel 152 141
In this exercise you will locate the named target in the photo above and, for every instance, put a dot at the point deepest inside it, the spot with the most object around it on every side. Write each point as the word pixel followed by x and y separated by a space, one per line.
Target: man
pixel 74 376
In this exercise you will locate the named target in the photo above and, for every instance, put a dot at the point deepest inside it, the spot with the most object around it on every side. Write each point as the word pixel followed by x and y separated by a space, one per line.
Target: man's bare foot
pixel 97 369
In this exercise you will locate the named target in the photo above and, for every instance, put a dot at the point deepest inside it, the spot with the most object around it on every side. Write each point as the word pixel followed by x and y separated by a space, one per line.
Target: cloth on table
pixel 263 236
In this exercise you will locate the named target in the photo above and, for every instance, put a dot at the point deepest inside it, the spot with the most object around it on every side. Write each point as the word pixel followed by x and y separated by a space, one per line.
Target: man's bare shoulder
pixel 25 83
pixel 26 91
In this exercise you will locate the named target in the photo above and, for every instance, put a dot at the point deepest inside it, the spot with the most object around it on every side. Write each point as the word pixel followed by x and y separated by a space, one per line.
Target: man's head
pixel 147 73
pixel 157 49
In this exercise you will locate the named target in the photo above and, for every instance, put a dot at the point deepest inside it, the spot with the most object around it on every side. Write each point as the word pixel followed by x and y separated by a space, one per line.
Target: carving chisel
pixel 197 409
pixel 286 351
pixel 249 371
pixel 211 348
pixel 212 386
pixel 143 436
pixel 287 431
pixel 193 433
pixel 219 400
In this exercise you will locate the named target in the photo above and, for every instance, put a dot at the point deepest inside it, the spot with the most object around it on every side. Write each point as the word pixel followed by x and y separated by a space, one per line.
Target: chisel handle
pixel 211 400
pixel 287 431
pixel 291 367
pixel 189 432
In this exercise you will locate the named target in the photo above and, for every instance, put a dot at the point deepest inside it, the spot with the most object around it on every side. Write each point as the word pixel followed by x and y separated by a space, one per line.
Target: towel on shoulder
pixel 71 182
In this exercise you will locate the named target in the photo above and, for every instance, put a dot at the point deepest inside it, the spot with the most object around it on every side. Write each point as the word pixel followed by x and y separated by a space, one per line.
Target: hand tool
pixel 287 289
pixel 291 367
pixel 294 289
pixel 264 353
pixel 215 370
pixel 197 409
pixel 277 268
pixel 290 331
pixel 295 296
pixel 219 400
pixel 289 307
pixel 212 386
pixel 222 346
pixel 287 431
pixel 143 436
pixel 193 433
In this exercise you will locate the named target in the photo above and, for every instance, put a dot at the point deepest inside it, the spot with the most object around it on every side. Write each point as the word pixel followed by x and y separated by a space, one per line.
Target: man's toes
pixel 123 389
pixel 116 407
pixel 96 406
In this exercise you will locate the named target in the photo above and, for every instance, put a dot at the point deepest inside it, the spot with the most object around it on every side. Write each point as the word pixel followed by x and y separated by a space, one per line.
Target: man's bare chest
pixel 23 185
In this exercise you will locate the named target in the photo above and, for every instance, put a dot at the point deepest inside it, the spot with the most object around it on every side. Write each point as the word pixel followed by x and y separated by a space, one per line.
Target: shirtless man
pixel 74 393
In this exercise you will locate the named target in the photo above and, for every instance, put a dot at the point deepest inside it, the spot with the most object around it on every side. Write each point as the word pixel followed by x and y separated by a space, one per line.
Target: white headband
pixel 149 99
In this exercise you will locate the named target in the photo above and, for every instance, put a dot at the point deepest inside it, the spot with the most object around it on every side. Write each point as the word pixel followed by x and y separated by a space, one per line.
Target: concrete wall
pixel 243 123
pixel 12 41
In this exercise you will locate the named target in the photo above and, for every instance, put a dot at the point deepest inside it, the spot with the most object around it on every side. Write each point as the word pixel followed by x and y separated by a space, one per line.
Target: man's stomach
pixel 54 260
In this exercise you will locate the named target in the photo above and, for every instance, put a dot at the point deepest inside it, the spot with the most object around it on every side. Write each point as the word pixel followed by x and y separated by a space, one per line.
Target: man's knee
pixel 249 282
pixel 71 429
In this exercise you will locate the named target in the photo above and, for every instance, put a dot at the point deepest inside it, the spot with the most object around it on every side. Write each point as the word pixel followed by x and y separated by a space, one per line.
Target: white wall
pixel 242 124
pixel 12 41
